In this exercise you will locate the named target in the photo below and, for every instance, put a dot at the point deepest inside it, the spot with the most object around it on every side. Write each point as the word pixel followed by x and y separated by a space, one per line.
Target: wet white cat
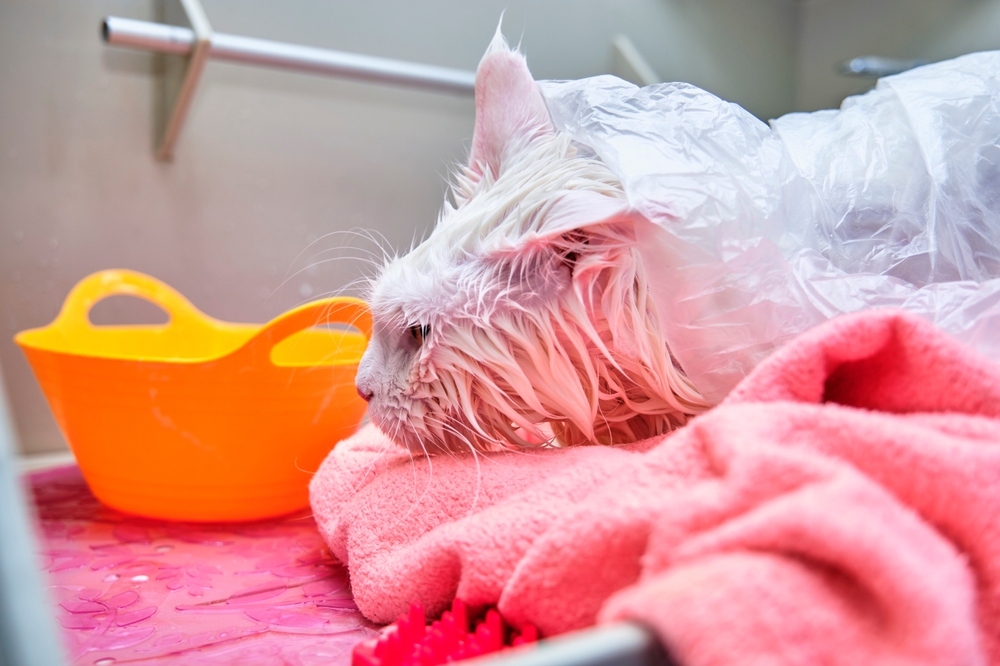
pixel 517 311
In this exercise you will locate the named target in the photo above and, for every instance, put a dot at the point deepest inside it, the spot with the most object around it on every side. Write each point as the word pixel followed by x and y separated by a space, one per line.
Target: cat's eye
pixel 419 332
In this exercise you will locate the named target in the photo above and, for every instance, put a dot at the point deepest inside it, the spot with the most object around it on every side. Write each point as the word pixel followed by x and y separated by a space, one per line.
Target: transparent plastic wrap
pixel 752 234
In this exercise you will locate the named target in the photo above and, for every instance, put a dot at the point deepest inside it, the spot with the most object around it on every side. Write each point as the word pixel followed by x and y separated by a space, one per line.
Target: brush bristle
pixel 411 642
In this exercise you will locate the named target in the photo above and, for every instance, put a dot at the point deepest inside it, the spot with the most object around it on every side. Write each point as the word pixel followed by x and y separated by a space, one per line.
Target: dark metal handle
pixel 620 644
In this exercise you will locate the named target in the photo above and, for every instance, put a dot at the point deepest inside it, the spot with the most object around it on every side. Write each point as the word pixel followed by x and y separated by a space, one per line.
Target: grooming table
pixel 130 589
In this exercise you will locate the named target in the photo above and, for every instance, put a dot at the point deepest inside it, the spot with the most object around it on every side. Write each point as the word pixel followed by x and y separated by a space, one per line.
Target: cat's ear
pixel 509 107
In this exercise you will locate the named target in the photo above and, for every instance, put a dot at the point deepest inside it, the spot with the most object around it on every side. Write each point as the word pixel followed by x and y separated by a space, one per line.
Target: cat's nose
pixel 363 379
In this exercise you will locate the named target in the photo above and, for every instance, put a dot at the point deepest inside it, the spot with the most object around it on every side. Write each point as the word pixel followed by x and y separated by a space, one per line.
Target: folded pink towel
pixel 842 506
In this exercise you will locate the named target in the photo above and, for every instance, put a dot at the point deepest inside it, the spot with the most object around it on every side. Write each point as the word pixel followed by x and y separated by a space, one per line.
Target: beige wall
pixel 271 161
pixel 831 31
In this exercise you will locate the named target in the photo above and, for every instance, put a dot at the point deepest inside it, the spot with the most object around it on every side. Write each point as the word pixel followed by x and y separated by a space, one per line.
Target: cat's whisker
pixel 304 269
pixel 370 470
pixel 367 258
pixel 358 233
pixel 415 505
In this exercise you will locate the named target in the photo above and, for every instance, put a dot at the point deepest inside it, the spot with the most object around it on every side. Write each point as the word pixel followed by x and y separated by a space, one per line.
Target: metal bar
pixel 876 67
pixel 169 39
pixel 28 633
pixel 628 63
pixel 621 644
pixel 201 35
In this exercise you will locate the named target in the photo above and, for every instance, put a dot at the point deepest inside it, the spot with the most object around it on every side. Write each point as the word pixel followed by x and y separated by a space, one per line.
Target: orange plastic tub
pixel 198 419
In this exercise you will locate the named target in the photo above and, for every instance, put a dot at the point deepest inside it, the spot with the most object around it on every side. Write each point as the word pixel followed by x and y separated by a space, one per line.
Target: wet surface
pixel 128 589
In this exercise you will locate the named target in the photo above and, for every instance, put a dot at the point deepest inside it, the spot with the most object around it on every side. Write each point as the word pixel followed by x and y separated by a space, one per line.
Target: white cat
pixel 559 295
pixel 505 318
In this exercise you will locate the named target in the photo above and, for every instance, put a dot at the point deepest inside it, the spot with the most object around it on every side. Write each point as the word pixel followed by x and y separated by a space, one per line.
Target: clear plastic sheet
pixel 753 234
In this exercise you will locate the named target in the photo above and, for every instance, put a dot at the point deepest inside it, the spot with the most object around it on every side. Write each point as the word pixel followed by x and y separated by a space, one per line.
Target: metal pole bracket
pixel 180 102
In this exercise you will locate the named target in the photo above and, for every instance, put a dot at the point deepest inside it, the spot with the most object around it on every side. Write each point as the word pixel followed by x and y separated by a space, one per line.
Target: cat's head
pixel 528 303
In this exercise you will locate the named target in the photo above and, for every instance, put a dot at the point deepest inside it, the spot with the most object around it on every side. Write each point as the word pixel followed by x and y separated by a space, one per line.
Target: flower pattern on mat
pixel 129 589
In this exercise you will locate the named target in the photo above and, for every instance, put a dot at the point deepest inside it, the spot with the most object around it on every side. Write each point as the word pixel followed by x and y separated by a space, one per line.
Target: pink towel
pixel 842 506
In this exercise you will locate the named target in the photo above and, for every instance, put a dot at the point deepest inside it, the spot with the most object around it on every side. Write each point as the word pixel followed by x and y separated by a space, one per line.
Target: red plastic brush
pixel 410 642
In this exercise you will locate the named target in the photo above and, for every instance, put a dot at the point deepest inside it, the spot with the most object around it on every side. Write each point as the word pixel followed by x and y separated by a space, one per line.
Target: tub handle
pixel 337 310
pixel 119 282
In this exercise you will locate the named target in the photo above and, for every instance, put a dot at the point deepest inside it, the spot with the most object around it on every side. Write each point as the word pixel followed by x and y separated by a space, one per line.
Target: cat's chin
pixel 452 437
pixel 457 437
pixel 447 445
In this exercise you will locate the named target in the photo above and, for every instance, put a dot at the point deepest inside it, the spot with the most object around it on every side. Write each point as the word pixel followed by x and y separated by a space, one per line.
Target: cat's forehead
pixel 409 290
pixel 500 227
pixel 448 275
pixel 457 258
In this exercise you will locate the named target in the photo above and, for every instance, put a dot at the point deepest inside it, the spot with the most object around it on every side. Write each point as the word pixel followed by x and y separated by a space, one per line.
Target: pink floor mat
pixel 129 590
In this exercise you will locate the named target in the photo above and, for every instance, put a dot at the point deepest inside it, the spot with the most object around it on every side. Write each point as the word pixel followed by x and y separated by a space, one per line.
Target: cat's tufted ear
pixel 509 107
